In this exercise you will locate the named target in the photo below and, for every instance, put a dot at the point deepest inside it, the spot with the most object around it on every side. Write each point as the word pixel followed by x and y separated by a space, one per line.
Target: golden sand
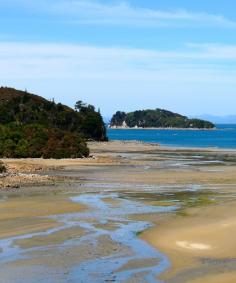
pixel 207 232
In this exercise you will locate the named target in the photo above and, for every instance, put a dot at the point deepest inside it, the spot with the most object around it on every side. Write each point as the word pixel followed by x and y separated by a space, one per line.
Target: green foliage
pixel 31 126
pixel 35 140
pixel 118 118
pixel 92 124
pixel 157 119
pixel 25 108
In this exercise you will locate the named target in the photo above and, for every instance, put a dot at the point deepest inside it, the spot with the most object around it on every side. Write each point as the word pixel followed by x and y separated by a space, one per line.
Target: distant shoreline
pixel 134 144
pixel 174 129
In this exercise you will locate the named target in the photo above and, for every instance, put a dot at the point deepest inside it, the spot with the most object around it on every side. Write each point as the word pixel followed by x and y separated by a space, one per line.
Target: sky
pixel 178 55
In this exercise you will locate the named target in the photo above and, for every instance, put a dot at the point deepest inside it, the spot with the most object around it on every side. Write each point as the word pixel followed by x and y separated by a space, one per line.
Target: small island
pixel 156 119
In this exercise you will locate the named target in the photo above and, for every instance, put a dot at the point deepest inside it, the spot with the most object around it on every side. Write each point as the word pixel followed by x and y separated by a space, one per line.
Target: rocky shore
pixel 17 174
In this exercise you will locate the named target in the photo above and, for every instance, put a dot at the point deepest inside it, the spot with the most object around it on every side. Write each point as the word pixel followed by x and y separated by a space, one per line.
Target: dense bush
pixel 33 140
pixel 31 126
pixel 26 108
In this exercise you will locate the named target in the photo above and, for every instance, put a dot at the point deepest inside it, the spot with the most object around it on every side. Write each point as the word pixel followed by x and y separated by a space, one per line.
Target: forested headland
pixel 31 126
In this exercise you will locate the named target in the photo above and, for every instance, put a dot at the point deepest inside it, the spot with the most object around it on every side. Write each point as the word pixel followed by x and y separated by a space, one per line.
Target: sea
pixel 224 136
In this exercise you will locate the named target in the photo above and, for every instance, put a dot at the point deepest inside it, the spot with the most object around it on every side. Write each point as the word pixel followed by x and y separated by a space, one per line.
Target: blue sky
pixel 123 55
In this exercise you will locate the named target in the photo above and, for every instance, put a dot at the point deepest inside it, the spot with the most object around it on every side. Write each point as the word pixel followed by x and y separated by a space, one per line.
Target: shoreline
pixel 163 129
pixel 167 147
pixel 34 171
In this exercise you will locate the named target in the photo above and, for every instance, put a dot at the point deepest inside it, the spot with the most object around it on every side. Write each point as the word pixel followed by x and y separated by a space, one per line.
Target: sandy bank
pixel 205 235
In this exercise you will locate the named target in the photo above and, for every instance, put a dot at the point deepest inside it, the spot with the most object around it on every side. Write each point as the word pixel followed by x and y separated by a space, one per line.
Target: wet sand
pixel 133 212
pixel 24 214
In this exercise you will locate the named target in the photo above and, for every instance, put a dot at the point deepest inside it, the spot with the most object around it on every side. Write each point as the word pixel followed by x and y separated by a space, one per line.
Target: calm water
pixel 223 137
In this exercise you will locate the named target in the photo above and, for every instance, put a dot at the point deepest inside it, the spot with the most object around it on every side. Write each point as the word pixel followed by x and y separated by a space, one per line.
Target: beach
pixel 131 212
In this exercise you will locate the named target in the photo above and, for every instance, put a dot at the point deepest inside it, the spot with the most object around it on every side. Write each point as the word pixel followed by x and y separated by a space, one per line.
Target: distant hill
pixel 157 118
pixel 31 126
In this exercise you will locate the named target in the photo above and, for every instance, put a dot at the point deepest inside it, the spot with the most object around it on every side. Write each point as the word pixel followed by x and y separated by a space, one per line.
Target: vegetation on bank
pixel 157 118
pixel 31 126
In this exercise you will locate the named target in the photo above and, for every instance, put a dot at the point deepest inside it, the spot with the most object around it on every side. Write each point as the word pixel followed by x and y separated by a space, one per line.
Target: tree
pixel 79 105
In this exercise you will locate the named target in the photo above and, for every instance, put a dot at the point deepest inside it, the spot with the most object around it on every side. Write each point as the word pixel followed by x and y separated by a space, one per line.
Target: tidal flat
pixel 134 212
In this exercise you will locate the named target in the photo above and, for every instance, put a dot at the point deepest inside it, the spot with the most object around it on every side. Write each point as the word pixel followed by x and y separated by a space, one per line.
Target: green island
pixel 158 118
pixel 31 126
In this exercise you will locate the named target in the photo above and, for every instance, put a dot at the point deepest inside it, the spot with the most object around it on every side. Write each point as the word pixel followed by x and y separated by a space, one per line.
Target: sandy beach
pixel 176 205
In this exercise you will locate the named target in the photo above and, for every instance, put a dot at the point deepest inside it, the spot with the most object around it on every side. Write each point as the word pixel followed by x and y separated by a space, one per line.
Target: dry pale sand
pixel 40 164
pixel 206 233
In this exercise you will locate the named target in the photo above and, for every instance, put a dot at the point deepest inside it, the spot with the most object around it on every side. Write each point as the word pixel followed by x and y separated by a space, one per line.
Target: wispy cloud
pixel 123 14
pixel 65 60
pixel 91 12
pixel 123 78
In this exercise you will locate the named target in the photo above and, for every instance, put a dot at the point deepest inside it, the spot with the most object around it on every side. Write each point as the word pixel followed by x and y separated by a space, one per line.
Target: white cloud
pixel 46 60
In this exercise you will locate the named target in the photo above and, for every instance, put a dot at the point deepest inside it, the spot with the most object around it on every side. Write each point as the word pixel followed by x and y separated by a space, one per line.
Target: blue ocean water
pixel 224 136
